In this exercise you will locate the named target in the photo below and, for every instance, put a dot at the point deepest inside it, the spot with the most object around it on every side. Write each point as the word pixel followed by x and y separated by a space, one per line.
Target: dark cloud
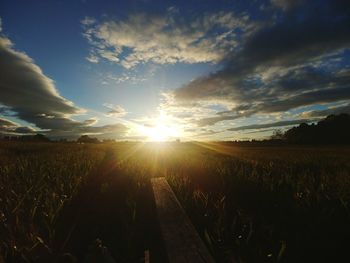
pixel 29 93
pixel 307 98
pixel 269 125
pixel 293 62
pixel 26 93
pixel 8 127
pixel 280 105
pixel 24 130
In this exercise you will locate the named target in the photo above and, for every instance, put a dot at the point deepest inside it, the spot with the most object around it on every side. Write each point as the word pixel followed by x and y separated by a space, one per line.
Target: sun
pixel 160 129
pixel 160 132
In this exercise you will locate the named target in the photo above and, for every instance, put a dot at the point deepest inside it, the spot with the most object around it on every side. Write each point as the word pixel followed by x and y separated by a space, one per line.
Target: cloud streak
pixel 269 125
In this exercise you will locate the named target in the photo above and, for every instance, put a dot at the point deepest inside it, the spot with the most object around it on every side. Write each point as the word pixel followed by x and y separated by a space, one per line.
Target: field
pixel 66 202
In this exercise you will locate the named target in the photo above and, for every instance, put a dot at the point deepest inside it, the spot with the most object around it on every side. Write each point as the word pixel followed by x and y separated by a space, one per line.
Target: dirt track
pixel 99 213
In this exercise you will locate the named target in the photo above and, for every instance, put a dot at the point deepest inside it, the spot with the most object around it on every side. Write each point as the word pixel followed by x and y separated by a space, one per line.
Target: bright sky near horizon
pixel 160 70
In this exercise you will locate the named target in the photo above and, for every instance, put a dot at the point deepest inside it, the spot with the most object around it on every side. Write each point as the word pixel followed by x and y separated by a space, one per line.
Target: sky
pixel 161 70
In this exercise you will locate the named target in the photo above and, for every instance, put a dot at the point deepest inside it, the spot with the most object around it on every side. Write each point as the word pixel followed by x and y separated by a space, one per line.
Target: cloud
pixel 90 122
pixel 293 62
pixel 7 123
pixel 115 110
pixel 162 39
pixel 88 21
pixel 92 58
pixel 130 77
pixel 187 113
pixel 208 121
pixel 24 130
pixel 8 127
pixel 331 110
pixel 28 94
pixel 282 99
pixel 26 90
pixel 269 125
pixel 206 133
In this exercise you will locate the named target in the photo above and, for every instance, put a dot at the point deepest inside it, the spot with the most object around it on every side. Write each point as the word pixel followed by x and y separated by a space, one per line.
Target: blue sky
pixel 198 70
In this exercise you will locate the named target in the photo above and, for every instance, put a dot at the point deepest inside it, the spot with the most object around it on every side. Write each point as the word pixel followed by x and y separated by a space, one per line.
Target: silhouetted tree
pixel 27 138
pixel 39 138
pixel 335 129
pixel 87 139
pixel 277 135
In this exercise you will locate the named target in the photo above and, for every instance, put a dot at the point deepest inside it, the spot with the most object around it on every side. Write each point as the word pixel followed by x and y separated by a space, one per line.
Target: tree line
pixel 334 129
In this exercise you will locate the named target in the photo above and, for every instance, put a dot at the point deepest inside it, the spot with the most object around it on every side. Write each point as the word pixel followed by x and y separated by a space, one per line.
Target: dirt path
pixel 102 225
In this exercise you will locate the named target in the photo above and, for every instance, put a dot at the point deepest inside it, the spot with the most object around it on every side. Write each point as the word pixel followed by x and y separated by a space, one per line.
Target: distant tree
pixel 40 138
pixel 33 138
pixel 277 135
pixel 87 139
pixel 27 138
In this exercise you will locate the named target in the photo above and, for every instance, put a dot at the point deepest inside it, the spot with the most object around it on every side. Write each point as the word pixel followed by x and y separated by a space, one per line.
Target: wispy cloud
pixel 166 38
pixel 115 110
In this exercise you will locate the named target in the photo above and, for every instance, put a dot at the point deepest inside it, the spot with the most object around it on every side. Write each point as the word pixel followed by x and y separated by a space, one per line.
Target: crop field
pixel 68 202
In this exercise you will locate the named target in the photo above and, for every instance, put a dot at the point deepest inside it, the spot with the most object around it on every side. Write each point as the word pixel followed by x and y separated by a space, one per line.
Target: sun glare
pixel 160 133
pixel 162 130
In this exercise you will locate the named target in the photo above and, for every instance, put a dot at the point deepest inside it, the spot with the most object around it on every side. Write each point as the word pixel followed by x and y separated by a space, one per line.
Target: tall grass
pixel 250 204
pixel 36 181
pixel 268 205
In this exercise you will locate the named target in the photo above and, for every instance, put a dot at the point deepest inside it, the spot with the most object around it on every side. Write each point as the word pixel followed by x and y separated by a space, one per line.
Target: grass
pixel 36 181
pixel 253 204
pixel 269 204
